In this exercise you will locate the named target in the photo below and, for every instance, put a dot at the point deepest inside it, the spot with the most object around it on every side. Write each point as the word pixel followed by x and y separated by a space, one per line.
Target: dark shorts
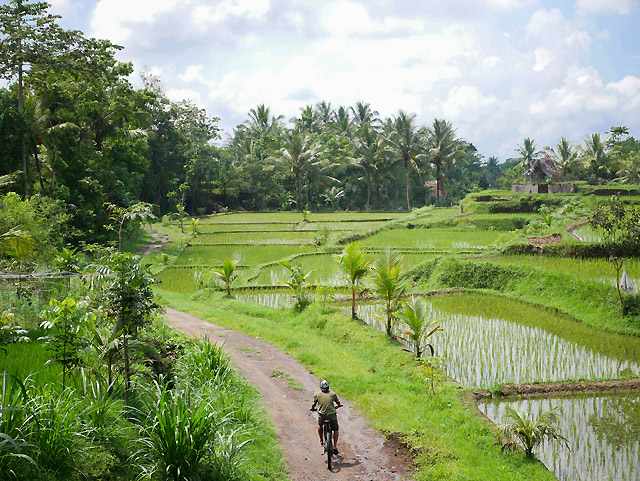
pixel 331 417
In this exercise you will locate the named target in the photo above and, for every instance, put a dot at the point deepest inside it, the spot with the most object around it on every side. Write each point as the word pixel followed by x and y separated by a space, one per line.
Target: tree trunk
pixel 377 179
pixel 406 179
pixel 438 167
pixel 23 145
pixel 353 302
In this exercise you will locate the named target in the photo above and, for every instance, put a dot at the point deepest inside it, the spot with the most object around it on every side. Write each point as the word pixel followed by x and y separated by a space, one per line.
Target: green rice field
pixel 602 432
pixel 432 239
pixel 518 344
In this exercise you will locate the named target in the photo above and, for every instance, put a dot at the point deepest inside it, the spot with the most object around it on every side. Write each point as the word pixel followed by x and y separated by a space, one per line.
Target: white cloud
pixel 621 7
pixel 115 19
pixel 206 14
pixel 61 7
pixel 184 94
pixel 629 90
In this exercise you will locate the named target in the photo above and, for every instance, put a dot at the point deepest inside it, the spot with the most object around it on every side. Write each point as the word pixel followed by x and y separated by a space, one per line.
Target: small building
pixel 543 177
pixel 543 169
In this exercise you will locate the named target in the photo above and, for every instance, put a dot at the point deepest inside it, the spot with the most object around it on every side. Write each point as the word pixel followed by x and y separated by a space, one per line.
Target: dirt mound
pixel 542 241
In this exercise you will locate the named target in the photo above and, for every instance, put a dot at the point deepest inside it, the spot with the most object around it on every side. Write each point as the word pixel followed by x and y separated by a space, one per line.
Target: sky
pixel 499 70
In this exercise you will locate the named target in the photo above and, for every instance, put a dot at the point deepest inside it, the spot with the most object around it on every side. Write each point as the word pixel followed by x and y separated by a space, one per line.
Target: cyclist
pixel 327 402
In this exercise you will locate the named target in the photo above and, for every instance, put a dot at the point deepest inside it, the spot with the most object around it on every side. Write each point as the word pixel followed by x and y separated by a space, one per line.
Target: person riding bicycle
pixel 327 402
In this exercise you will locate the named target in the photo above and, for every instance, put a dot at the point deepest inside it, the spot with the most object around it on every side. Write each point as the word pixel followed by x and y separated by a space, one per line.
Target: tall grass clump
pixel 178 436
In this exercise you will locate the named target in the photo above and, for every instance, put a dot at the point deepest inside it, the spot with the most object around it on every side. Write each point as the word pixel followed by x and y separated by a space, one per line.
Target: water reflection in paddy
pixel 603 434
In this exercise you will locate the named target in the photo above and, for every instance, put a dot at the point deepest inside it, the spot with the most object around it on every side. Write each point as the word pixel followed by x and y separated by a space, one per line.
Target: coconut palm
pixel 442 148
pixel 404 141
pixel 341 123
pixel 389 284
pixel 419 327
pixel 324 114
pixel 363 114
pixel 595 155
pixel 301 154
pixel 262 122
pixel 355 264
pixel 565 154
pixel 227 274
pixel 527 432
pixel 528 153
pixel 371 155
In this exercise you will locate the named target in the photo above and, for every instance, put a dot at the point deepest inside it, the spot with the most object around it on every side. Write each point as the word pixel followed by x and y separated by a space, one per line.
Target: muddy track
pixel 364 454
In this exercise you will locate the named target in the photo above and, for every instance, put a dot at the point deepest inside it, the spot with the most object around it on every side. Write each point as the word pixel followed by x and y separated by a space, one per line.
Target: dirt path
pixel 158 239
pixel 364 454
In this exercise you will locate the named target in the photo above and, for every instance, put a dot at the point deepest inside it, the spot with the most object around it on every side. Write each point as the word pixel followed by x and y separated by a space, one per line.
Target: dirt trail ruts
pixel 156 243
pixel 364 455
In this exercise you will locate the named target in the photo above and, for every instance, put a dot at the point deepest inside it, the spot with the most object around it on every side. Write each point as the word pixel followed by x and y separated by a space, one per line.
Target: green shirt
pixel 325 402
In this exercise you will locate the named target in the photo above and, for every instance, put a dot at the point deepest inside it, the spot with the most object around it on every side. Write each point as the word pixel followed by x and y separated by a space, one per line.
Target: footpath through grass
pixel 451 440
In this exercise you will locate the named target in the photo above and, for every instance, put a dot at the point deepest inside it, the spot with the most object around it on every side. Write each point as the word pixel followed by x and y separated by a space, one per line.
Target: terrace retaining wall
pixel 565 188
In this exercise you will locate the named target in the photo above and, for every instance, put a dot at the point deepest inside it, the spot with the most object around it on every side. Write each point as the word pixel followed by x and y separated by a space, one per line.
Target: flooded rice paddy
pixel 603 434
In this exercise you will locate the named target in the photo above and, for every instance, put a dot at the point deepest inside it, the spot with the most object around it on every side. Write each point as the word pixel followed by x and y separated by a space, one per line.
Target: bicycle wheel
pixel 328 443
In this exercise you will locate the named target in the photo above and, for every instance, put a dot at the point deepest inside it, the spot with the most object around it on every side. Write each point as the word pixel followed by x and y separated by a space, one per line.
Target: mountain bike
pixel 328 441
pixel 327 434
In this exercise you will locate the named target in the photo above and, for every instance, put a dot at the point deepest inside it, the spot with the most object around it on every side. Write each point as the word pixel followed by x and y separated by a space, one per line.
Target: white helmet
pixel 324 385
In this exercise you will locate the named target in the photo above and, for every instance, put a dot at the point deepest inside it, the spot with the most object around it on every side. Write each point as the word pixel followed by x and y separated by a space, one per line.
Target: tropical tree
pixel 404 141
pixel 565 154
pixel 341 123
pixel 227 273
pixel 527 432
pixel 65 321
pixel 298 283
pixel 363 114
pixel 595 156
pixel 301 154
pixel 355 264
pixel 333 195
pixel 528 153
pixel 262 122
pixel 124 216
pixel 389 284
pixel 619 225
pixel 371 155
pixel 127 300
pixel 442 147
pixel 419 326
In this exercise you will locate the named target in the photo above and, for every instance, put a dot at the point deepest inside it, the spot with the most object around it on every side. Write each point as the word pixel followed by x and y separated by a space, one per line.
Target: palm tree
pixel 227 273
pixel 363 114
pixel 371 155
pixel 419 326
pixel 324 114
pixel 262 122
pixel 528 432
pixel 564 154
pixel 405 142
pixel 341 123
pixel 301 155
pixel 528 153
pixel 355 264
pixel 595 155
pixel 442 148
pixel 388 283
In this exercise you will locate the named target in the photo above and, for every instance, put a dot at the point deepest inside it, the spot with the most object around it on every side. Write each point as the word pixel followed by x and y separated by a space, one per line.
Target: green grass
pixel 296 217
pixel 29 359
pixel 454 443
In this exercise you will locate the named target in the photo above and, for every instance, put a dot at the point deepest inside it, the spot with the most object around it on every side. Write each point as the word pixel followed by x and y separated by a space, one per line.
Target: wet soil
pixel 365 455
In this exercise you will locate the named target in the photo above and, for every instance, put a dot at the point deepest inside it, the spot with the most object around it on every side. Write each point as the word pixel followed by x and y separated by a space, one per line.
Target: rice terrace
pixel 220 262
